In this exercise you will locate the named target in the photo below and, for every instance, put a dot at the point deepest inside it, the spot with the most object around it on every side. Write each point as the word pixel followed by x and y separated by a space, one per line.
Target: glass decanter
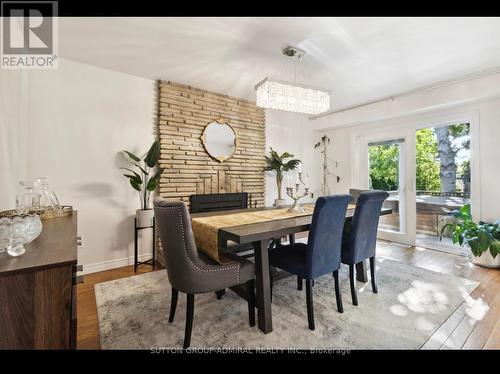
pixel 48 198
pixel 27 200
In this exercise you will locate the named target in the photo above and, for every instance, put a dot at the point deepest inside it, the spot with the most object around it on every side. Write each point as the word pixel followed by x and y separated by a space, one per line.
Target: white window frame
pixel 391 129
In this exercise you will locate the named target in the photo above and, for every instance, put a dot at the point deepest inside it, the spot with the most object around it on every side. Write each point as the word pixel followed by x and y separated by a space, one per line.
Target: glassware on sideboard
pixel 27 200
pixel 17 231
pixel 4 233
pixel 48 198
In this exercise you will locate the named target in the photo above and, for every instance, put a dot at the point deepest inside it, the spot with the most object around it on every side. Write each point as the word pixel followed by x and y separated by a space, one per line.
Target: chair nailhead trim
pixel 221 268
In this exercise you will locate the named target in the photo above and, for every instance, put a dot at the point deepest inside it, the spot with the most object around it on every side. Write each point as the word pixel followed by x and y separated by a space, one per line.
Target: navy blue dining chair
pixel 359 239
pixel 321 254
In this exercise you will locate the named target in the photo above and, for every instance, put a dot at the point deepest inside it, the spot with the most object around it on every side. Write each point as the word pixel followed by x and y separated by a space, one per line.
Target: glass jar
pixel 27 200
pixel 48 198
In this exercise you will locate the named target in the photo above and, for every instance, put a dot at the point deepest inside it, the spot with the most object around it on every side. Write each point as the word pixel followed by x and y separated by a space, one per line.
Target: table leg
pixel 263 286
pixel 361 270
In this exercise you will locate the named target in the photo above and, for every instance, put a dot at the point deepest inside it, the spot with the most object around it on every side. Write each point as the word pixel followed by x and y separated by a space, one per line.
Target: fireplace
pixel 218 202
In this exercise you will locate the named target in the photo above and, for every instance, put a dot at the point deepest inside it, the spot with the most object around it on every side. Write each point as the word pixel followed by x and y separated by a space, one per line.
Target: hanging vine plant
pixel 323 145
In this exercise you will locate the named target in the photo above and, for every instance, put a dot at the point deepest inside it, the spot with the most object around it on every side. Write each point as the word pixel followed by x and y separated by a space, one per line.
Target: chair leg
pixel 251 302
pixel 220 294
pixel 189 320
pixel 173 304
pixel 299 283
pixel 372 273
pixel 352 280
pixel 309 302
pixel 338 295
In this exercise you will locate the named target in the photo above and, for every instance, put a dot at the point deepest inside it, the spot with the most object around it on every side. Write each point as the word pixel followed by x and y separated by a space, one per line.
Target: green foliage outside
pixel 427 161
pixel 384 161
pixel 384 167
pixel 461 129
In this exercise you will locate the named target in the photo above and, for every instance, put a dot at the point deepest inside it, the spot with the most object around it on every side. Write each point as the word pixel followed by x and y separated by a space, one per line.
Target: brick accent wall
pixel 183 113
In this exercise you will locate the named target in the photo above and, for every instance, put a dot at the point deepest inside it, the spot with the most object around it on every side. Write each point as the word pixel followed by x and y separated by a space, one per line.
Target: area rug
pixel 411 304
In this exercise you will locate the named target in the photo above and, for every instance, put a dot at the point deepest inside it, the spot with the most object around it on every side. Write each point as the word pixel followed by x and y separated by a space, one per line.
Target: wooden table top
pixel 55 246
pixel 268 230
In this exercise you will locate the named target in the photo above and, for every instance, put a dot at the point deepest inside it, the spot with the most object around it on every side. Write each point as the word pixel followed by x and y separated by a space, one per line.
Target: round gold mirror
pixel 219 140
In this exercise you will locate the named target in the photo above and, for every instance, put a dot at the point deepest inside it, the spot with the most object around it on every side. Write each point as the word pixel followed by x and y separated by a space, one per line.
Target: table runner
pixel 206 229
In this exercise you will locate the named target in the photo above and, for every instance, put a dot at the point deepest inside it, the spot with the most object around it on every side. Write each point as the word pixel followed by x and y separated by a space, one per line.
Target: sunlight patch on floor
pixel 439 338
pixel 399 310
pixel 423 323
pixel 476 309
pixel 424 297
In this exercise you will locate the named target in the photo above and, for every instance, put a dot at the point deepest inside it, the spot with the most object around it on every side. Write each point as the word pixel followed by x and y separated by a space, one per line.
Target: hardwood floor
pixel 474 325
pixel 88 329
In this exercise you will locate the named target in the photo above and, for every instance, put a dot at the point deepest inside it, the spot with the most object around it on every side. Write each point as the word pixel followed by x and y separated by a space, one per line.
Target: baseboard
pixel 113 264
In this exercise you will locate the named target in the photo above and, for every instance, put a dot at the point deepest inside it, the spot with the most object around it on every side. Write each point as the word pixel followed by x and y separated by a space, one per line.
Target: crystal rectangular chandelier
pixel 293 98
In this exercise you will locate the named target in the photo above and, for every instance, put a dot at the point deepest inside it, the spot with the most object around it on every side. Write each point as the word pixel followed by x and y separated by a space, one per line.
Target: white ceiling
pixel 359 59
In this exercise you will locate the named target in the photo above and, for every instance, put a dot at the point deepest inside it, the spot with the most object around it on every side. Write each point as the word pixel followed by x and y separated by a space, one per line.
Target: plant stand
pixel 151 261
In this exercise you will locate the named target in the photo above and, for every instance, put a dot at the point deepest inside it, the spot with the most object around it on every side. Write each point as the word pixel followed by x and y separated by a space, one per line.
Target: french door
pixel 428 167
pixel 386 161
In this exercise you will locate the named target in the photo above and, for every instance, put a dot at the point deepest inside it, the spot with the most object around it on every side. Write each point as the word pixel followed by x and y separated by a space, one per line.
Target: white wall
pixel 69 124
pixel 13 131
pixel 489 123
pixel 453 96
pixel 479 96
pixel 290 132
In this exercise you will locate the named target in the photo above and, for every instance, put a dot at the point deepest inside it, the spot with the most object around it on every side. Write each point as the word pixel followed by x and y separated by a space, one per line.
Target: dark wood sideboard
pixel 38 290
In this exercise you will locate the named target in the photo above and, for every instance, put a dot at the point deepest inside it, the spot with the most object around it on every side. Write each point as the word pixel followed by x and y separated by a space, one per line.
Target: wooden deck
pixel 431 213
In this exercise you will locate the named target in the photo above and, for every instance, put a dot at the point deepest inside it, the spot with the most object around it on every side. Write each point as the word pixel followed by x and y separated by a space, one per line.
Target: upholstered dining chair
pixel 359 239
pixel 192 272
pixel 321 254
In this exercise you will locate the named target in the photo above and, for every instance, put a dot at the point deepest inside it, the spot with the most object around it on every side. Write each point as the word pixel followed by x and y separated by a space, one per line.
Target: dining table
pixel 260 234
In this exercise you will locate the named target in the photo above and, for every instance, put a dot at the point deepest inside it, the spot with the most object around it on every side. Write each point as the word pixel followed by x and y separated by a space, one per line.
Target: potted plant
pixel 482 238
pixel 279 164
pixel 144 180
